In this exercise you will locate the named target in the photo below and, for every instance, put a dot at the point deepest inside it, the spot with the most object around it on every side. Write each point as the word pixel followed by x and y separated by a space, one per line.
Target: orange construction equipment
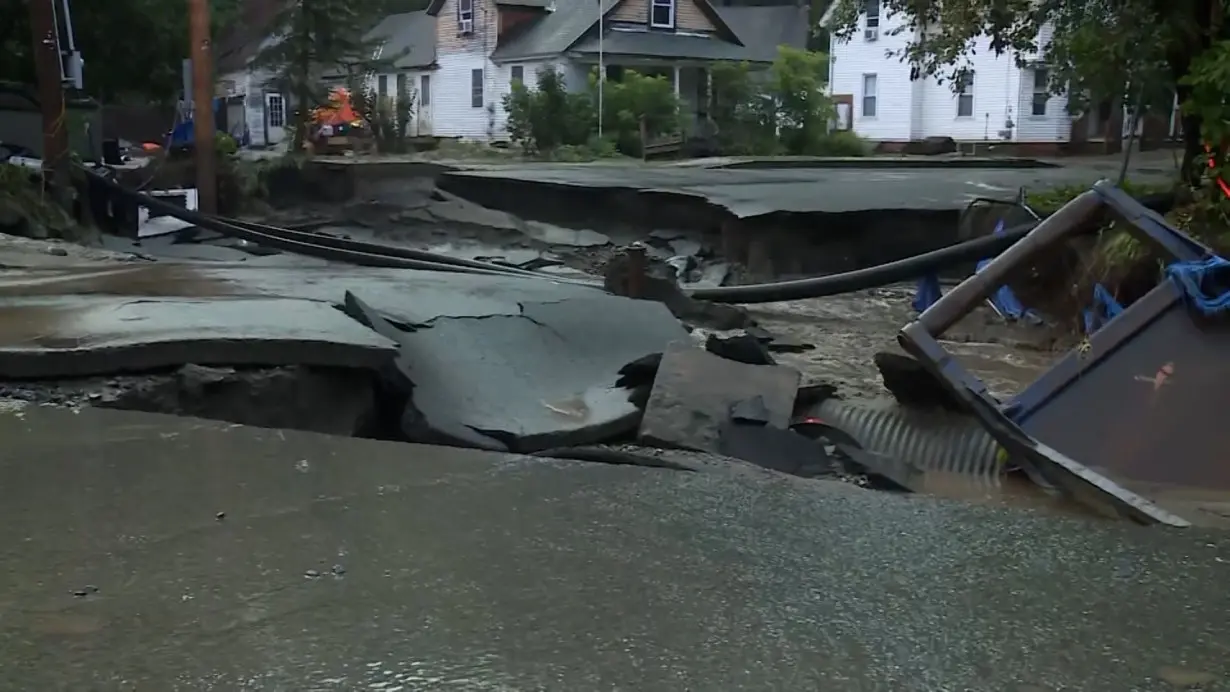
pixel 338 111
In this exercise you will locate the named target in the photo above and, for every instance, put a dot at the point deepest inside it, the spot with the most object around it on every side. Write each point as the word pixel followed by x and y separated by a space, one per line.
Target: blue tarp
pixel 1004 300
pixel 183 134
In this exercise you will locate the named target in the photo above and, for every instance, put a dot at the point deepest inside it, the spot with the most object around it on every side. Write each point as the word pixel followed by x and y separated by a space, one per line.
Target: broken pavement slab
pixel 76 336
pixel 534 369
pixel 694 392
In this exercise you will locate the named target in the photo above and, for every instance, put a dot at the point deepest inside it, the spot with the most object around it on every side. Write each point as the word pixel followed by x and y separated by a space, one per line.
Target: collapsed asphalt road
pixel 149 552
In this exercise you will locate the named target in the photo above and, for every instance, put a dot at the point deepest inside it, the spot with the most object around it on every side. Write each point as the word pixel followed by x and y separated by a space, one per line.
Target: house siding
pixel 688 15
pixel 857 57
pixel 457 56
pixel 420 123
pixel 912 110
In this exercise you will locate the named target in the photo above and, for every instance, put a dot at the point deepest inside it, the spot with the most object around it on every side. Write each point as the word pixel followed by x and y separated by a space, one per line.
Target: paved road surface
pixel 350 565
pixel 750 192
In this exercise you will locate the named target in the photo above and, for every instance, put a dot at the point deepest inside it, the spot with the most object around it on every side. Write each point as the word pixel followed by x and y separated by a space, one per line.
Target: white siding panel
pixel 857 57
pixel 914 110
pixel 452 112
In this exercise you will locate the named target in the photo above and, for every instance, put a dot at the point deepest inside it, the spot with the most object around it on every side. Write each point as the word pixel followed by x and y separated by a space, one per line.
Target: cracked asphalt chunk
pixel 538 371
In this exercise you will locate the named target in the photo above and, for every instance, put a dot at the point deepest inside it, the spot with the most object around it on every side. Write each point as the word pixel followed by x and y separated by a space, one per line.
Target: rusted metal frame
pixel 1045 464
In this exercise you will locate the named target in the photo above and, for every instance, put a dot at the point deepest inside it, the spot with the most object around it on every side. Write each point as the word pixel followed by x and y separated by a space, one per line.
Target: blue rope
pixel 1206 283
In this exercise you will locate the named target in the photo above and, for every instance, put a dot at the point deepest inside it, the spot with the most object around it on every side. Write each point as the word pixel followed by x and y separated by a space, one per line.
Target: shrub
pixel 839 143
pixel 547 116
pixel 636 98
pixel 796 84
pixel 741 112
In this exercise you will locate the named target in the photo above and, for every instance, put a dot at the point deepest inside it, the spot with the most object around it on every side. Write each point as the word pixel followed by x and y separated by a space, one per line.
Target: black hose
pixel 329 241
pixel 888 273
pixel 337 249
pixel 869 277
pixel 377 255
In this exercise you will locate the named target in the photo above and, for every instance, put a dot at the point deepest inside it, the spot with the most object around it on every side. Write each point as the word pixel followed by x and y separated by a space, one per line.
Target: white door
pixel 275 118
pixel 422 118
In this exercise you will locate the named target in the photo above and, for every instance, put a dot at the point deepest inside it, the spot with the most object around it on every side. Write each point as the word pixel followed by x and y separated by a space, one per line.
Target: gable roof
pixel 572 19
pixel 411 36
pixel 242 41
pixel 764 28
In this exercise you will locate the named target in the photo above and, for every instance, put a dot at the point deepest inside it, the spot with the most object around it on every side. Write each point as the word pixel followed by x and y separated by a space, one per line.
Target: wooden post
pixel 205 151
pixel 47 65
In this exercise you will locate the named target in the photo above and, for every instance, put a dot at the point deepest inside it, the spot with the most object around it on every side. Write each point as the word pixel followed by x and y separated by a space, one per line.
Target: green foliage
pixel 548 116
pixel 27 209
pixel 741 112
pixel 133 48
pixel 225 144
pixel 784 111
pixel 637 99
pixel 796 87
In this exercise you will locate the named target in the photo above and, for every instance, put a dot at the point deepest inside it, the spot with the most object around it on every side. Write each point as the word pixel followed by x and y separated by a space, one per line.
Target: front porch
pixel 691 79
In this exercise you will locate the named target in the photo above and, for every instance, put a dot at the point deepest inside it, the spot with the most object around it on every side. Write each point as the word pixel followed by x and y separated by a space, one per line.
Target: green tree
pixel 318 37
pixel 1100 46
pixel 796 82
pixel 133 49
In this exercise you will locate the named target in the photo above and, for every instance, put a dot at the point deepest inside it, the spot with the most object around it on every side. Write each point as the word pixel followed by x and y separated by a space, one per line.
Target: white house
pixel 1001 102
pixel 256 113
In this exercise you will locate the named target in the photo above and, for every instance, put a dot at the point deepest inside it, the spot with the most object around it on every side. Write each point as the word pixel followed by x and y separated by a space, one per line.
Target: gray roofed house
pixel 481 47
pixel 410 36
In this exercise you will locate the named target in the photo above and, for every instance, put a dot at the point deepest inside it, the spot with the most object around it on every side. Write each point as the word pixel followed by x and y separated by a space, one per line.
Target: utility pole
pixel 203 127
pixel 49 71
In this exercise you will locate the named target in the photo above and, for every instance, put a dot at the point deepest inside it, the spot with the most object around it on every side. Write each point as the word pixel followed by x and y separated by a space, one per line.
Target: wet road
pixel 153 553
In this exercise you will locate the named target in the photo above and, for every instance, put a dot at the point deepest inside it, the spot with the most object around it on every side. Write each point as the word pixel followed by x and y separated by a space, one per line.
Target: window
pixel 869 96
pixel 965 96
pixel 518 74
pixel 382 85
pixel 872 9
pixel 476 88
pixel 1042 92
pixel 465 16
pixel 277 110
pixel 425 90
pixel 662 14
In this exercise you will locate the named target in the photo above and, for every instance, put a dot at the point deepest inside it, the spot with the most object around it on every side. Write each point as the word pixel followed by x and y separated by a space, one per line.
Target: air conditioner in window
pixel 465 26
pixel 871 34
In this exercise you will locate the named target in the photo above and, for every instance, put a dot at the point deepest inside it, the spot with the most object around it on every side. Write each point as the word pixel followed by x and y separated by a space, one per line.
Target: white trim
pixel 874 96
pixel 674 9
pixel 967 90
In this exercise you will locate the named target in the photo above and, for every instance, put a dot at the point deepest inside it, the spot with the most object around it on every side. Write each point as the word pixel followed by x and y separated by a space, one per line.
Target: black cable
pixel 373 254
pixel 891 272
pixel 379 248
pixel 337 249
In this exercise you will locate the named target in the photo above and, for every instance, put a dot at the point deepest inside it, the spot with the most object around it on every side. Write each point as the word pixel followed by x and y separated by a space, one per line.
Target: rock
pixel 659 284
pixel 911 384
pixel 685 248
pixel 694 392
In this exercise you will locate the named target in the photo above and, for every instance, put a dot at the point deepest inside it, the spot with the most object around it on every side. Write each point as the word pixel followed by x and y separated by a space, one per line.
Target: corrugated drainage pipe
pixel 951 449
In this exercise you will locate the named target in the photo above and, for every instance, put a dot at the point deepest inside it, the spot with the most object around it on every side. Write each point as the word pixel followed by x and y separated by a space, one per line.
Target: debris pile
pixel 550 367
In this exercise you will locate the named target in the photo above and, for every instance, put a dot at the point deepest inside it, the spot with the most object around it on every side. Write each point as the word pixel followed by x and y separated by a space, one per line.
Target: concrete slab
pixel 750 192
pixel 213 556
pixel 75 336
pixel 694 392
pixel 526 372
